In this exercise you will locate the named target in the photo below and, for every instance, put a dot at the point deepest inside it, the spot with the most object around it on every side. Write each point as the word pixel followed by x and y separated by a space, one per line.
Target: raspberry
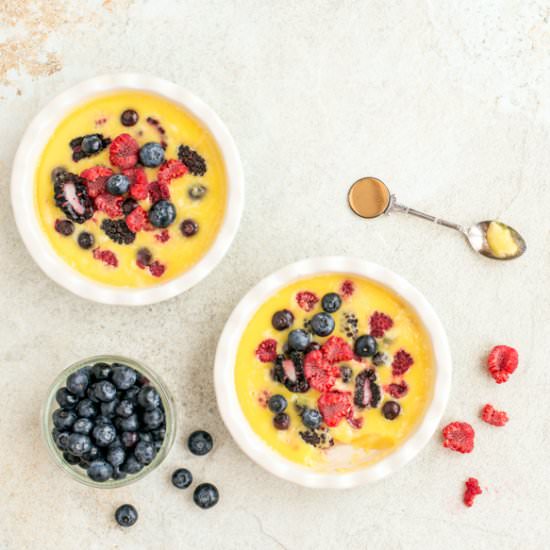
pixel 472 490
pixel 111 205
pixel 356 423
pixel 106 256
pixel 267 351
pixel 459 436
pixel 402 362
pixel 490 415
pixel 170 170
pixel 139 186
pixel 347 288
pixel 163 236
pixel 320 374
pixel 123 151
pixel 136 219
pixel 95 179
pixel 336 349
pixel 306 300
pixel 379 324
pixel 158 191
pixel 335 406
pixel 397 390
pixel 157 269
pixel 502 362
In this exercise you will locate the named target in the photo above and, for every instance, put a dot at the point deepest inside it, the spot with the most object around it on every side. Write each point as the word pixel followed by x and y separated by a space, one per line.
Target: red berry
pixel 459 436
pixel 139 186
pixel 306 300
pixel 123 151
pixel 402 362
pixel 111 205
pixel 106 256
pixel 157 269
pixel 334 406
pixel 502 362
pixel 163 236
pixel 490 415
pixel 336 349
pixel 170 170
pixel 95 179
pixel 320 374
pixel 472 490
pixel 158 191
pixel 379 324
pixel 397 390
pixel 347 288
pixel 136 219
pixel 267 351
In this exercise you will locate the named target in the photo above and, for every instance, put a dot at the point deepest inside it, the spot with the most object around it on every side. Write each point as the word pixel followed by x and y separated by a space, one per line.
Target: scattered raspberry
pixel 490 415
pixel 334 406
pixel 397 390
pixel 472 490
pixel 267 351
pixel 379 324
pixel 95 179
pixel 459 436
pixel 157 269
pixel 170 170
pixel 163 236
pixel 158 191
pixel 402 362
pixel 139 186
pixel 111 205
pixel 123 151
pixel 502 362
pixel 336 349
pixel 106 256
pixel 306 300
pixel 347 288
pixel 320 374
pixel 136 219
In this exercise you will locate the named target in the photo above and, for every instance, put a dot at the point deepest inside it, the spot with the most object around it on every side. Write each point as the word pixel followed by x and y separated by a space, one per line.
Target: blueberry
pixel 196 191
pixel 129 439
pixel 126 515
pixel 91 455
pixel 379 359
pixel 298 339
pixel 206 495
pixel 131 465
pixel 182 478
pixel 322 324
pixel 85 240
pixel 365 346
pixel 346 373
pixel 151 154
pixel 118 184
pixel 100 470
pixel 277 403
pixel 91 144
pixel 312 418
pixel 132 394
pixel 200 442
pixel 116 455
pixel 125 408
pixel 129 117
pixel 145 436
pixel 159 435
pixel 79 444
pixel 162 214
pixel 86 409
pixel 282 320
pixel 65 398
pixel 331 302
pixel 123 376
pixel 63 420
pixel 64 227
pixel 189 227
pixel 130 424
pixel 71 459
pixel 77 382
pixel 101 371
pixel 149 398
pixel 102 420
pixel 104 391
pixel 104 434
pixel 129 205
pixel 144 256
pixel 83 426
pixel 118 473
pixel 281 421
pixel 144 452
pixel 391 410
pixel 153 419
pixel 62 440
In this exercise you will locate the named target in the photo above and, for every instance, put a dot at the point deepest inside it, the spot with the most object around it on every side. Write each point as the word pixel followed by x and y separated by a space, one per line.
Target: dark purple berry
pixel 282 320
pixel 64 227
pixel 144 256
pixel 281 421
pixel 189 228
pixel 86 240
pixel 129 117
pixel 391 410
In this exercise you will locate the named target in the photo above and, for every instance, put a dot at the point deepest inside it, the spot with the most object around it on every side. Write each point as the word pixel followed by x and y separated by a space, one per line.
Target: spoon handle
pixel 401 208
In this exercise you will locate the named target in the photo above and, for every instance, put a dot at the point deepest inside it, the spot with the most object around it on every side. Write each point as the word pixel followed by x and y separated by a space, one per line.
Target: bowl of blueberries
pixel 108 421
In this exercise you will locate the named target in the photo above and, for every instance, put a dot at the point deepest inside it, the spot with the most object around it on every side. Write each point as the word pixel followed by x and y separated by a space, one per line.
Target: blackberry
pixel 319 438
pixel 194 162
pixel 295 382
pixel 129 205
pixel 71 195
pixel 350 325
pixel 367 391
pixel 88 145
pixel 118 231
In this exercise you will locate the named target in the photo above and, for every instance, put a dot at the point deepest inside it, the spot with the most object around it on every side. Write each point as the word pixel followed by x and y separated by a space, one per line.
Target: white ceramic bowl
pixel 23 201
pixel 263 454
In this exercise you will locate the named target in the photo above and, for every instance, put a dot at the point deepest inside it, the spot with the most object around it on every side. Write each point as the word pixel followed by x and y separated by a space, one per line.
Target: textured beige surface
pixel 449 103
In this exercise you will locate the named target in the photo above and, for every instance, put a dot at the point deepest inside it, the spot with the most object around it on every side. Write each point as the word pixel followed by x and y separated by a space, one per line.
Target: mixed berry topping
pixel 320 373
pixel 502 362
pixel 397 389
pixel 459 436
pixel 189 228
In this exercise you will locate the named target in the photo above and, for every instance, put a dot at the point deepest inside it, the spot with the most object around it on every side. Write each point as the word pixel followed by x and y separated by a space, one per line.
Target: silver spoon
pixel 370 198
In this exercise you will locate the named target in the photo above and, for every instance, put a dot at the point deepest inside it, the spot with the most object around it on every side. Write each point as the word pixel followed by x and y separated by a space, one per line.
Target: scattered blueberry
pixel 312 418
pixel 151 154
pixel 281 421
pixel 282 320
pixel 365 346
pixel 64 227
pixel 63 420
pixel 65 398
pixel 129 117
pixel 126 515
pixel 83 426
pixel 189 228
pixel 123 377
pixel 100 470
pixel 298 339
pixel 118 184
pixel 331 302
pixel 77 382
pixel 206 495
pixel 104 434
pixel 391 410
pixel 79 444
pixel 182 478
pixel 200 442
pixel 197 191
pixel 322 324
pixel 85 240
pixel 277 403
pixel 162 214
pixel 104 391
pixel 91 144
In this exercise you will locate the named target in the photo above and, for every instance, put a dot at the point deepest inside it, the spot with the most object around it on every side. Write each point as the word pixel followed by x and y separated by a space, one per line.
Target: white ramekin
pixel 262 453
pixel 23 197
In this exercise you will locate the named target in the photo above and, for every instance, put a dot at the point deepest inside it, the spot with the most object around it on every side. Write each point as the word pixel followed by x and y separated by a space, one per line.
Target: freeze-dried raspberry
pixel 106 256
pixel 397 389
pixel 123 151
pixel 157 269
pixel 336 349
pixel 402 362
pixel 490 415
pixel 459 436
pixel 472 490
pixel 334 406
pixel 347 288
pixel 139 186
pixel 306 300
pixel 379 323
pixel 95 179
pixel 320 374
pixel 170 170
pixel 502 362
pixel 136 219
pixel 267 351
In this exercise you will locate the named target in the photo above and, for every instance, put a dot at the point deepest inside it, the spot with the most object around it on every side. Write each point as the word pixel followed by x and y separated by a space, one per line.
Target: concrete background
pixel 449 103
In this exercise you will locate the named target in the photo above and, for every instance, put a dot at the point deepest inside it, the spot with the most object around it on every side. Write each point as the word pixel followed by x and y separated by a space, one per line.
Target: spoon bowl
pixel 477 237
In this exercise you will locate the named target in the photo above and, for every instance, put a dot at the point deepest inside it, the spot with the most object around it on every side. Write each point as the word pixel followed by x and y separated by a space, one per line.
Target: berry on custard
pixel 379 323
pixel 298 339
pixel 347 288
pixel 331 302
pixel 402 362
pixel 322 324
pixel 109 204
pixel 95 179
pixel 335 406
pixel 171 169
pixel 151 154
pixel 397 389
pixel 162 214
pixel 189 228
pixel 192 160
pixel 336 349
pixel 123 151
pixel 139 186
pixel 365 346
pixel 282 319
pixel 64 227
pixel 320 374
pixel 136 220
pixel 267 351
pixel 306 300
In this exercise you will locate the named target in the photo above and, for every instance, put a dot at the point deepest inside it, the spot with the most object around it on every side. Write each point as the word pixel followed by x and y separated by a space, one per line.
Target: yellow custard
pixel 347 445
pixel 500 240
pixel 160 120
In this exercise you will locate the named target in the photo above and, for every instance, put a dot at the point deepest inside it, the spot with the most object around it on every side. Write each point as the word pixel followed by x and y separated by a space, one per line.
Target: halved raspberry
pixel 459 436
pixel 502 362
pixel 136 219
pixel 123 151
pixel 347 288
pixel 306 300
pixel 106 256
pixel 336 349
pixel 320 374
pixel 157 269
pixel 472 490
pixel 379 324
pixel 170 170
pixel 111 205
pixel 402 362
pixel 334 406
pixel 490 415
pixel 158 191
pixel 267 351
pixel 139 186
pixel 397 389
pixel 95 179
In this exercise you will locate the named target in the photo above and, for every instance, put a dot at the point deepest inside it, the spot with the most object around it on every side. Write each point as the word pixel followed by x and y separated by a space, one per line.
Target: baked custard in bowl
pixel 332 372
pixel 127 189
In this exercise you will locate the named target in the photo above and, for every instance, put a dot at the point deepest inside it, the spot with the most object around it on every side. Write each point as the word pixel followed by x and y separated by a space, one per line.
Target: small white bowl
pixel 261 452
pixel 23 181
